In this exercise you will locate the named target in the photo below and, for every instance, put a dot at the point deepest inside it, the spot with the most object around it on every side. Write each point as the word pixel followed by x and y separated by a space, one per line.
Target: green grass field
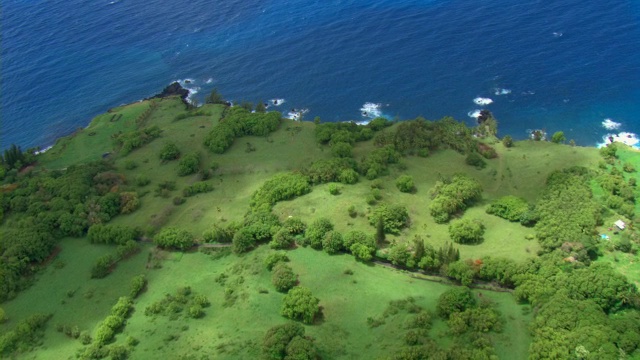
pixel 235 332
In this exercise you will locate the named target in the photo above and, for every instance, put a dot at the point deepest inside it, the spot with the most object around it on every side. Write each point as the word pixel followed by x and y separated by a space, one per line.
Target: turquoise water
pixel 559 64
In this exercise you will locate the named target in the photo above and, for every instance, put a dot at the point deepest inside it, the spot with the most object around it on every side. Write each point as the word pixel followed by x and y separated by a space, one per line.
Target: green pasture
pixel 235 331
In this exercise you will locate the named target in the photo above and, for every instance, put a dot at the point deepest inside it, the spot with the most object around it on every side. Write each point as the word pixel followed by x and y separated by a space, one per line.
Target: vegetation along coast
pixel 220 231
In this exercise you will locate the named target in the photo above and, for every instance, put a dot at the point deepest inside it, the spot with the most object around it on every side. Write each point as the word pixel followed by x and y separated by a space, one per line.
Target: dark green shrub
pixel 476 160
pixel 189 164
pixel 509 207
pixel 283 277
pixel 394 218
pixel 332 242
pixel 281 187
pixel 197 188
pixel 466 231
pixel 272 259
pixel 169 151
pixel 404 183
pixel 316 231
pixel 174 238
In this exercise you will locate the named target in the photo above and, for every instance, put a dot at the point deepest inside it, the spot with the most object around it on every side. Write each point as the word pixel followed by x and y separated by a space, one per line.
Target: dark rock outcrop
pixel 174 89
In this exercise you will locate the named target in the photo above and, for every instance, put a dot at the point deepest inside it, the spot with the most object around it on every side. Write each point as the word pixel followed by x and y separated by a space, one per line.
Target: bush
pixel 450 197
pixel 332 242
pixel 405 183
pixel 507 141
pixel 454 300
pixel 283 239
pixel 628 167
pixel 394 218
pixel 197 188
pixel 137 284
pixel 342 150
pixel 348 176
pixel 316 231
pixel 466 231
pixel 274 258
pixel 169 151
pixel 277 339
pixel 558 137
pixel 476 160
pixel 281 187
pixel 174 237
pixel 189 164
pixel 334 189
pixel 196 311
pixel 142 180
pixel 509 207
pixel 300 304
pixel 112 234
pixel 220 234
pixel 294 225
pixel 283 277
pixel 102 267
pixel 243 241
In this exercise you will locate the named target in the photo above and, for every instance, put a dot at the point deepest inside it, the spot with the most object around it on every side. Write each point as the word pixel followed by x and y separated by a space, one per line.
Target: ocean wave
pixel 610 124
pixel 189 85
pixel 482 101
pixel 474 113
pixel 209 81
pixel 276 102
pixel 627 138
pixel 371 110
pixel 42 151
pixel 503 91
pixel 297 114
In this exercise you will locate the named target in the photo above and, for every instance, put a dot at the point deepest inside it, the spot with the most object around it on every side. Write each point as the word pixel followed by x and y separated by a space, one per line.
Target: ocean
pixel 570 65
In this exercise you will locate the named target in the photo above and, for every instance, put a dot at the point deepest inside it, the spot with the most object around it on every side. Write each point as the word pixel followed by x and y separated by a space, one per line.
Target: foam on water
pixel 610 124
pixel 371 110
pixel 190 85
pixel 627 138
pixel 297 114
pixel 482 101
pixel 474 113
pixel 209 81
pixel 276 102
pixel 503 91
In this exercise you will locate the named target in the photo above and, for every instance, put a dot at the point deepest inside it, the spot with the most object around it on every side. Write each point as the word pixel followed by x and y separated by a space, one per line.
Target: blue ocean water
pixel 553 64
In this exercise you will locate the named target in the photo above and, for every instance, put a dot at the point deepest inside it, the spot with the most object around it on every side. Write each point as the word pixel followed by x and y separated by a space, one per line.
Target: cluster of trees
pixel 14 158
pixel 240 122
pixel 420 255
pixel 393 217
pixel 285 186
pixel 420 136
pixel 47 206
pixel 173 237
pixel 129 141
pixel 452 196
pixel 332 170
pixel 514 209
pixel 288 341
pixel 25 334
pixel 621 195
pixel 566 210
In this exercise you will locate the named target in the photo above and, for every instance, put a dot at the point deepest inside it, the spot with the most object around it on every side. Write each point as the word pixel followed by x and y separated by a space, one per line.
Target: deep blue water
pixel 569 64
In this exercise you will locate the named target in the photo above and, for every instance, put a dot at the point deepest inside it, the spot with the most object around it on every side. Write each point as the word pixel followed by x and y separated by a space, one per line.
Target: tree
pixel 466 231
pixel 404 183
pixel 456 299
pixel 332 242
pixel 509 207
pixel 169 151
pixel 277 338
pixel 461 271
pixel 174 237
pixel 283 277
pixel 558 137
pixel 189 164
pixel 300 304
pixel 342 150
pixel 301 348
pixel 394 218
pixel 243 241
pixel 214 98
pixel 316 231
pixel 507 141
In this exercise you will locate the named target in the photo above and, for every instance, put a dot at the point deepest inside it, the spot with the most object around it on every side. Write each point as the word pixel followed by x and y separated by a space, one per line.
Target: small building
pixel 620 224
